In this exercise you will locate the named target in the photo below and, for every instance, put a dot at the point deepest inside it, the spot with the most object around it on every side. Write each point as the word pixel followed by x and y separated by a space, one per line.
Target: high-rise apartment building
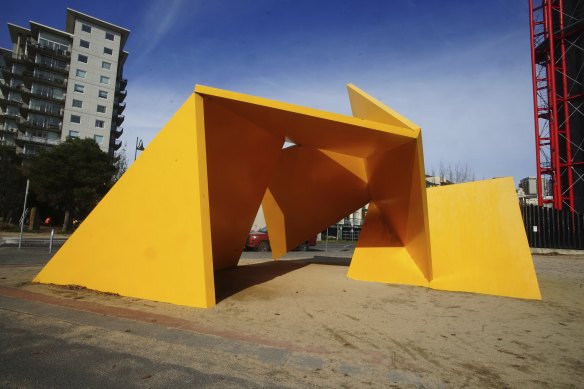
pixel 56 84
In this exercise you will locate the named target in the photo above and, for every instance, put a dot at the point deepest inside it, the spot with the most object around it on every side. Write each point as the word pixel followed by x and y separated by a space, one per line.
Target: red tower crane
pixel 557 53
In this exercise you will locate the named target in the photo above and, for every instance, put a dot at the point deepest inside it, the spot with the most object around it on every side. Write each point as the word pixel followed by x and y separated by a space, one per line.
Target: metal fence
pixel 549 228
pixel 344 232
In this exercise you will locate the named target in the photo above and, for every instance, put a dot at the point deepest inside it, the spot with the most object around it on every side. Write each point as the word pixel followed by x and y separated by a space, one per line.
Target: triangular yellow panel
pixel 150 235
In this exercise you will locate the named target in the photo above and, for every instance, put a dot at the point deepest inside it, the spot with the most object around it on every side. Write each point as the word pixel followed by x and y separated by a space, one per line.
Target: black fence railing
pixel 345 232
pixel 549 228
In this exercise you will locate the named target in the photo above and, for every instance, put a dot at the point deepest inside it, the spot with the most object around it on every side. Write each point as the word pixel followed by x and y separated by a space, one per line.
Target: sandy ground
pixel 378 333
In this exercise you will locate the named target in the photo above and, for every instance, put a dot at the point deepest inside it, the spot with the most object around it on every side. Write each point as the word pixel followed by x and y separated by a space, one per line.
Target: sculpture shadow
pixel 236 279
pixel 233 280
pixel 325 260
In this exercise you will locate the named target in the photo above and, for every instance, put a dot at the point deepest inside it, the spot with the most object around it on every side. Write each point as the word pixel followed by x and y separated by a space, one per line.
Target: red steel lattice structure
pixel 557 52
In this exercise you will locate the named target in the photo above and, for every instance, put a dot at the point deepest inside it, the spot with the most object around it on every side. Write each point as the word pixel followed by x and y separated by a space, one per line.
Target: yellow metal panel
pixel 353 164
pixel 241 158
pixel 312 128
pixel 396 183
pixel 478 240
pixel 310 192
pixel 150 236
pixel 367 107
pixel 381 257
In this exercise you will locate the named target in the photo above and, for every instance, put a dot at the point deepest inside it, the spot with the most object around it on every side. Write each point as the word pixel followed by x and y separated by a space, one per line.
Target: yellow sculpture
pixel 185 207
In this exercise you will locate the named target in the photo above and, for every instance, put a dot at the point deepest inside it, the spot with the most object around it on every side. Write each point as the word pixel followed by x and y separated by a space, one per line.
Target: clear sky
pixel 459 69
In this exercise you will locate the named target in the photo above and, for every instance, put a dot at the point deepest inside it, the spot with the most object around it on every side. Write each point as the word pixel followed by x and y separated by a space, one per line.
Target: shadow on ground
pixel 232 281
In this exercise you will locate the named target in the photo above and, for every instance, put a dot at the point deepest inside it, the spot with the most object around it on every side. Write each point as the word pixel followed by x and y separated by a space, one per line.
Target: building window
pixel 107 50
pixel 101 108
pixel 79 88
pixel 103 94
pixel 84 43
pixel 75 119
pixel 82 58
pixel 109 36
pixel 85 28
pixel 99 123
pixel 104 80
pixel 106 65
pixel 81 73
pixel 77 103
pixel 73 134
pixel 98 139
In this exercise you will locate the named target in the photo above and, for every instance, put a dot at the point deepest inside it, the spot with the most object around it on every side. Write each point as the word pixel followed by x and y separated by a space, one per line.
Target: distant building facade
pixel 56 84
pixel 527 190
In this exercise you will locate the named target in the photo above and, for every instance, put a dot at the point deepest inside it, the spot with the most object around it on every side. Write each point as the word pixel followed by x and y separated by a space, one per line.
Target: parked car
pixel 260 241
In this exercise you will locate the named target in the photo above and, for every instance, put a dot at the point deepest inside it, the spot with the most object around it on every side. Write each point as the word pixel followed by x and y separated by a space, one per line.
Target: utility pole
pixel 23 214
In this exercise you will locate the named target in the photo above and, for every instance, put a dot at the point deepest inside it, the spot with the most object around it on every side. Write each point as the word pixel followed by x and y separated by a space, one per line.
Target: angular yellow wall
pixel 478 240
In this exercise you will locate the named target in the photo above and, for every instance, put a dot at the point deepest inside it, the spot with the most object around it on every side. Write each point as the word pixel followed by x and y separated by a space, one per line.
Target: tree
pixel 120 163
pixel 72 177
pixel 457 173
pixel 12 183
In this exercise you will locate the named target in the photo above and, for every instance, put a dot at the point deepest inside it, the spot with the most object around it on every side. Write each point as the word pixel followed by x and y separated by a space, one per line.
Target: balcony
pixel 26 95
pixel 8 129
pixel 115 144
pixel 122 82
pixel 39 125
pixel 44 49
pixel 21 88
pixel 7 74
pixel 10 115
pixel 37 140
pixel 117 132
pixel 119 119
pixel 50 65
pixel 120 107
pixel 10 58
pixel 4 102
pixel 42 110
pixel 29 77
pixel 121 94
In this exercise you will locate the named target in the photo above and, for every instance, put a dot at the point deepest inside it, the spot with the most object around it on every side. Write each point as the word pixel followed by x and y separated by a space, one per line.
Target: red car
pixel 260 241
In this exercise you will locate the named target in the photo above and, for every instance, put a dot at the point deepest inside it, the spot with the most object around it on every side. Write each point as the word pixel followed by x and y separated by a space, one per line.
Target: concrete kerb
pixel 28 242
pixel 545 251
pixel 32 239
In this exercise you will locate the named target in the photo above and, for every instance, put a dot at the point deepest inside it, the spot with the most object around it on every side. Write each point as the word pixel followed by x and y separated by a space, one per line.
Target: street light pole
pixel 139 146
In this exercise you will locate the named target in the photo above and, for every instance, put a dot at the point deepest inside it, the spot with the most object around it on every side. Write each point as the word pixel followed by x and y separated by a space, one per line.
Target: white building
pixel 56 84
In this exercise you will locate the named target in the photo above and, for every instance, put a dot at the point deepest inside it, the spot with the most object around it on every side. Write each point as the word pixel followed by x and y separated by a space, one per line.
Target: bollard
pixel 51 240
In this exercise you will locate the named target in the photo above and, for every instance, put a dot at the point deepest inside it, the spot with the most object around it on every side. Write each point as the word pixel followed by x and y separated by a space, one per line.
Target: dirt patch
pixel 398 334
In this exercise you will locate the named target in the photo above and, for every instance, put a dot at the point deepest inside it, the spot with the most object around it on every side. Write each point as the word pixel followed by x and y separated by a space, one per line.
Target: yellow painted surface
pixel 367 107
pixel 396 182
pixel 185 207
pixel 310 192
pixel 150 235
pixel 478 240
pixel 241 158
pixel 381 257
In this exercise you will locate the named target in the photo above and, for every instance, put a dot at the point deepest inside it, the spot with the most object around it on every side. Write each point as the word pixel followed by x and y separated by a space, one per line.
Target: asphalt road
pixel 43 346
pixel 10 255
pixel 24 255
